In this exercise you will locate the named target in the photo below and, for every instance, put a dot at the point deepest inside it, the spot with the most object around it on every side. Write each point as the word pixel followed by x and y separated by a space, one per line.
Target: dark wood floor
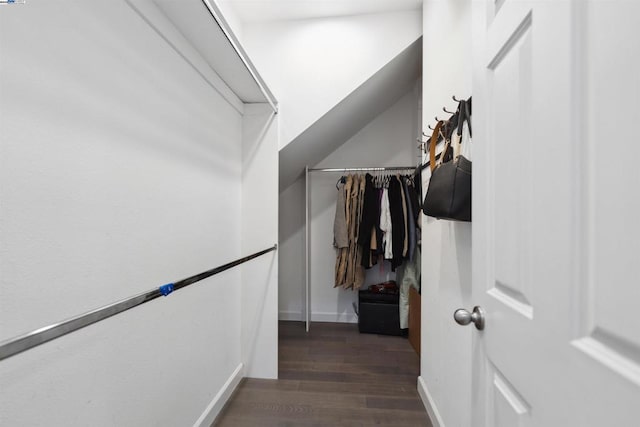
pixel 332 376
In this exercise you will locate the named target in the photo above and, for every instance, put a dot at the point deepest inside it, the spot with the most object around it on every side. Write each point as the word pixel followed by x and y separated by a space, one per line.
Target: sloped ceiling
pixel 197 25
pixel 360 107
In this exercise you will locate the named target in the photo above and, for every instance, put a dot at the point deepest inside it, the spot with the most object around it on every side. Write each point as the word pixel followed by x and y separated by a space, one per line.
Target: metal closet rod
pixel 380 168
pixel 39 336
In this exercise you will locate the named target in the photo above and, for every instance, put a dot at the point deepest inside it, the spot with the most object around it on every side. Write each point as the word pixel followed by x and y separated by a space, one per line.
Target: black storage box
pixel 378 313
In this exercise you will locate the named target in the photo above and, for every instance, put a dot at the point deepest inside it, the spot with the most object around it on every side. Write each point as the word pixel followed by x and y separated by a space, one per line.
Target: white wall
pixel 259 231
pixel 121 170
pixel 291 262
pixel 389 140
pixel 446 256
pixel 313 64
pixel 232 18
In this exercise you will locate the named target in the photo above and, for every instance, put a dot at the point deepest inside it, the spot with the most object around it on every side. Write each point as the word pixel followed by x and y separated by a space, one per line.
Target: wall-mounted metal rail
pixel 34 338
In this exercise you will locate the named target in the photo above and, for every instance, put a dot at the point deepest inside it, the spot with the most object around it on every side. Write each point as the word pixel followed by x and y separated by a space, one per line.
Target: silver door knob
pixel 463 317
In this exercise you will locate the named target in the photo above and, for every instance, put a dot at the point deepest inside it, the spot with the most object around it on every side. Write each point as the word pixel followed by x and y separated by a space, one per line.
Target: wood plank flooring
pixel 332 376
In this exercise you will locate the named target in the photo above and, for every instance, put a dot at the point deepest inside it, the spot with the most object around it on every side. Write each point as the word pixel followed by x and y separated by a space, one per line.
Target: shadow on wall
pixel 291 238
pixel 462 237
pixel 248 158
pixel 458 235
pixel 254 323
pixel 292 210
pixel 346 298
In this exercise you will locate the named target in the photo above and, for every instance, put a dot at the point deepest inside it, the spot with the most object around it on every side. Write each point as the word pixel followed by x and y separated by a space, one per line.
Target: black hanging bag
pixel 449 192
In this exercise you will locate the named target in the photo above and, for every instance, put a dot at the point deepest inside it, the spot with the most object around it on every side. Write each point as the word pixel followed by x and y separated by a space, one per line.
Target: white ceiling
pixel 273 10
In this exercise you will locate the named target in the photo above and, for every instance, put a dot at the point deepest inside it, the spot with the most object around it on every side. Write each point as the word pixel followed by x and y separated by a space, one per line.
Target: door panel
pixel 509 408
pixel 556 235
pixel 507 170
pixel 510 130
pixel 610 237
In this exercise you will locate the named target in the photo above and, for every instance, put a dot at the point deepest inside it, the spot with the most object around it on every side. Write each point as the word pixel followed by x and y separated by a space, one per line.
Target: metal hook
pixel 447 111
pixel 437 120
pixel 429 126
pixel 454 98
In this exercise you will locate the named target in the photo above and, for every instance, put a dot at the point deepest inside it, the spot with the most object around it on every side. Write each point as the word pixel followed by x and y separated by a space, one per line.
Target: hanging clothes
pixel 405 242
pixel 341 234
pixel 379 252
pixel 370 215
pixel 358 269
pixel 374 217
pixel 352 203
pixel 415 208
pixel 340 230
pixel 385 225
pixel 408 275
pixel 410 223
pixel 397 221
pixel 349 274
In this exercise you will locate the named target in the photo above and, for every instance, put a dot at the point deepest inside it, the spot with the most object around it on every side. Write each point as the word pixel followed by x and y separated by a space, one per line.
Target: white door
pixel 556 214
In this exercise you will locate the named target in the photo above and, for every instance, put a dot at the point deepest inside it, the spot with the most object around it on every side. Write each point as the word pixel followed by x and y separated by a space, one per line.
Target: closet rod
pixel 381 168
pixel 50 332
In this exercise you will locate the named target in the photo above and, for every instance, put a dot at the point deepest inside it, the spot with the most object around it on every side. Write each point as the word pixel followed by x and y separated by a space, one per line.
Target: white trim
pixel 334 317
pixel 429 404
pixel 215 406
pixel 290 315
pixel 319 317
pixel 307 234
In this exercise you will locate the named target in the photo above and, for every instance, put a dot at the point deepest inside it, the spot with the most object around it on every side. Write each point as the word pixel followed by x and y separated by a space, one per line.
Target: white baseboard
pixel 213 409
pixel 334 317
pixel 319 317
pixel 290 315
pixel 429 404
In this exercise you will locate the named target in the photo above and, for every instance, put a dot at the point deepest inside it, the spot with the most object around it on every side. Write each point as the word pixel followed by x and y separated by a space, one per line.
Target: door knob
pixel 463 317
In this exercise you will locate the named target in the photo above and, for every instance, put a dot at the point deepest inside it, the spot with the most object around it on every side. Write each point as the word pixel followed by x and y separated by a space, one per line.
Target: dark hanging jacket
pixel 370 217
pixel 397 221
pixel 380 249
pixel 411 219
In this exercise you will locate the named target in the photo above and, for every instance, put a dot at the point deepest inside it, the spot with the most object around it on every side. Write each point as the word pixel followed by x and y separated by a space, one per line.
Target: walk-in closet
pixel 261 213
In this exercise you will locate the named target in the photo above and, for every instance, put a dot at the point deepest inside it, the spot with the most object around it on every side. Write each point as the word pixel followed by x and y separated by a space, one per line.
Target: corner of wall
pixel 429 403
pixel 446 263
pixel 259 211
pixel 214 408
